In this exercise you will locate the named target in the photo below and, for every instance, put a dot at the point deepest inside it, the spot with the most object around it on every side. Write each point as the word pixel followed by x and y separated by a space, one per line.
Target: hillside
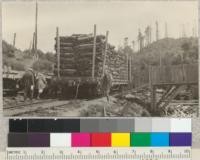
pixel 20 60
pixel 171 51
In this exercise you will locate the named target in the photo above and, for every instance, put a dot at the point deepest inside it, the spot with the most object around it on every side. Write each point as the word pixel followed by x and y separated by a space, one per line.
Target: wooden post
pixel 36 23
pixel 127 60
pixel 58 51
pixel 14 39
pixel 105 52
pixel 130 68
pixel 33 44
pixel 94 53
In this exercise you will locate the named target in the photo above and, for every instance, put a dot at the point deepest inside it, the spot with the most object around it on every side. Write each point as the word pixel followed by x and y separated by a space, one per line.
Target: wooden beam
pixel 94 53
pixel 58 51
pixel 171 96
pixel 105 52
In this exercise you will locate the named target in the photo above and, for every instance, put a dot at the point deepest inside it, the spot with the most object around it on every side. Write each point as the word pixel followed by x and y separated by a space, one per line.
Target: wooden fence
pixel 168 74
pixel 174 74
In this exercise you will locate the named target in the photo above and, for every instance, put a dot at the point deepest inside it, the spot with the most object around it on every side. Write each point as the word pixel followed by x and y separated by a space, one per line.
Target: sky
pixel 121 18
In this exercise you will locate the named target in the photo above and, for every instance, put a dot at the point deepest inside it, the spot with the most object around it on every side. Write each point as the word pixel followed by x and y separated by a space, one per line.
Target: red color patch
pixel 101 139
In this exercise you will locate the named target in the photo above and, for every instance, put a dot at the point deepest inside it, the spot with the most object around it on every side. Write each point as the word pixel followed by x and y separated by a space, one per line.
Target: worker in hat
pixel 28 81
pixel 40 84
pixel 106 83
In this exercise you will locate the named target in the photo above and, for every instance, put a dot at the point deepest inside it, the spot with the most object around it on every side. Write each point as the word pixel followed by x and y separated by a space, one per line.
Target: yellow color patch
pixel 120 139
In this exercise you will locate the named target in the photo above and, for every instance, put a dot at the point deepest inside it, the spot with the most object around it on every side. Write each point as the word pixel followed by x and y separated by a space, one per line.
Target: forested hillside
pixel 20 60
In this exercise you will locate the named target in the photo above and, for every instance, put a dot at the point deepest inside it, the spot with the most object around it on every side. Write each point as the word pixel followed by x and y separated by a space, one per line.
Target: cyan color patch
pixel 159 139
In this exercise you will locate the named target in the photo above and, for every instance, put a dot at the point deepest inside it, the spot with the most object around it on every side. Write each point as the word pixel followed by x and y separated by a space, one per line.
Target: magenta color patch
pixel 80 139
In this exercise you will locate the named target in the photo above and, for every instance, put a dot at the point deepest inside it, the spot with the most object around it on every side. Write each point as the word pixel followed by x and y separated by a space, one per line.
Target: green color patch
pixel 141 139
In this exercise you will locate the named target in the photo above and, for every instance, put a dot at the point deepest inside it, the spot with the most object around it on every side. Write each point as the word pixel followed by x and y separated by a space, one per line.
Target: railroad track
pixel 45 104
pixel 21 109
pixel 29 104
pixel 32 111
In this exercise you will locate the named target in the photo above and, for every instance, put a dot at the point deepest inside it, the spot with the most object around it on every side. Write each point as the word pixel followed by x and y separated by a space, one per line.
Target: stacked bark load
pixel 117 63
pixel 84 54
pixel 67 57
pixel 77 53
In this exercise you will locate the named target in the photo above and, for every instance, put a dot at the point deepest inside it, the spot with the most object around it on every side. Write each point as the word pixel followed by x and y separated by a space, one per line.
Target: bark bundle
pixel 76 57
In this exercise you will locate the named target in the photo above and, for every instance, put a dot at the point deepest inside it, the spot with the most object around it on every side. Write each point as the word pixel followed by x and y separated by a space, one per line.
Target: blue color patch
pixel 159 139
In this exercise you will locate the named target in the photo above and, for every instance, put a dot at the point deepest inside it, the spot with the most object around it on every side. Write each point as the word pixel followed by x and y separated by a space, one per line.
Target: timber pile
pixel 76 54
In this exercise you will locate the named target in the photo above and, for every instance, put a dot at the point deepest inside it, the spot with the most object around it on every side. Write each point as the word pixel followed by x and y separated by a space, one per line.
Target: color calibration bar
pixel 137 132
pixel 100 153
pixel 101 125
pixel 99 139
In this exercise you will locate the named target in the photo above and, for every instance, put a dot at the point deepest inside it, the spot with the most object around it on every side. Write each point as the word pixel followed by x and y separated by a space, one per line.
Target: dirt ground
pixel 128 105
pixel 95 107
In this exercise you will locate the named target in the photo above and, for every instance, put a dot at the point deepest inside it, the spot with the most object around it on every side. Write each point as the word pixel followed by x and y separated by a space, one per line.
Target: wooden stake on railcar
pixel 130 69
pixel 105 52
pixel 58 51
pixel 94 53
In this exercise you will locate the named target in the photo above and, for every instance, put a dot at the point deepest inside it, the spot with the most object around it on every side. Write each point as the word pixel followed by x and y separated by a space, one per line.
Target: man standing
pixel 28 82
pixel 106 84
pixel 40 84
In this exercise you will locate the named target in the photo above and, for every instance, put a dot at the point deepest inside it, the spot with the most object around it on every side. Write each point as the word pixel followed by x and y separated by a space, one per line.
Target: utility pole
pixel 36 29
pixel 157 31
pixel 166 30
pixel 14 39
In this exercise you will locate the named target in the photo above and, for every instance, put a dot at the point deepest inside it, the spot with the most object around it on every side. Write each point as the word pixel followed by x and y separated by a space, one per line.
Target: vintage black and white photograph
pixel 100 58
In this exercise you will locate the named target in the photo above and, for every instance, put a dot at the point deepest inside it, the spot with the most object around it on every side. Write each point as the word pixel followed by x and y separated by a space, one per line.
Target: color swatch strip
pixel 101 125
pixel 124 139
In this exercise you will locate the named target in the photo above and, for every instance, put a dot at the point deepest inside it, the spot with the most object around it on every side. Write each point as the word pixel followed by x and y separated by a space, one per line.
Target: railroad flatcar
pixel 81 63
pixel 10 79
